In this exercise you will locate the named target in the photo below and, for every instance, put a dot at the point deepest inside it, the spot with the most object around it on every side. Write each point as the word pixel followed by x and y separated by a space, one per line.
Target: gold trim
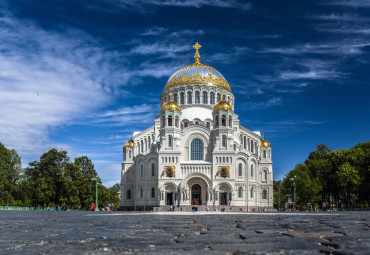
pixel 169 168
pixel 223 167
pixel 208 80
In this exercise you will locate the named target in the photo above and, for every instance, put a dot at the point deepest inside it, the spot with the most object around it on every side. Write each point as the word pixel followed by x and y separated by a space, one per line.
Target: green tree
pixel 10 169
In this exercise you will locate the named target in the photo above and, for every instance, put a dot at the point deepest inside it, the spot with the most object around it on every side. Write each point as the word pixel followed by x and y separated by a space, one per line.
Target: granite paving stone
pixel 43 232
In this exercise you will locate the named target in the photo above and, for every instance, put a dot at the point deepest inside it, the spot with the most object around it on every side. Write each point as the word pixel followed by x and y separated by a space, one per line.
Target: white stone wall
pixel 247 189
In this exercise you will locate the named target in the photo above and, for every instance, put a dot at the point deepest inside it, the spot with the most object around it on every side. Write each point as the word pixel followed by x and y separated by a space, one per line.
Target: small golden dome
pixel 223 105
pixel 264 143
pixel 170 105
pixel 129 143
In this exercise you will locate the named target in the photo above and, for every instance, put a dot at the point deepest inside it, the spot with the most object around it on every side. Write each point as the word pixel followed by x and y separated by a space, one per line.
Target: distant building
pixel 197 152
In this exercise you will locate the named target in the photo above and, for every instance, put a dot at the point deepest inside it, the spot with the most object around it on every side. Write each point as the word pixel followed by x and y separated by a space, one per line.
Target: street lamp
pixel 97 181
pixel 293 179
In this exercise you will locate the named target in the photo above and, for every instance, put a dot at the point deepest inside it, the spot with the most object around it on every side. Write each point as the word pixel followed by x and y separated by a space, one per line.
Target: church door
pixel 169 198
pixel 223 198
pixel 196 192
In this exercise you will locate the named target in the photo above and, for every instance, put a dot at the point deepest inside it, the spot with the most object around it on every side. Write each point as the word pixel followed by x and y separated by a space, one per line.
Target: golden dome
pixel 170 105
pixel 197 73
pixel 264 143
pixel 223 105
pixel 129 143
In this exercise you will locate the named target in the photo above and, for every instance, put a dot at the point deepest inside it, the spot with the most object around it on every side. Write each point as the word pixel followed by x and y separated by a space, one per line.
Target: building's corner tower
pixel 169 153
pixel 266 177
pixel 224 153
pixel 127 162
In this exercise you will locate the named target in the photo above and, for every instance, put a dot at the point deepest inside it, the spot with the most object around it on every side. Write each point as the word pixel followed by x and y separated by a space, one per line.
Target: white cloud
pixel 47 80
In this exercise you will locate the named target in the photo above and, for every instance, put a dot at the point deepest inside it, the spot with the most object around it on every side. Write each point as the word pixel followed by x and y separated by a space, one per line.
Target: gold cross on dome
pixel 197 46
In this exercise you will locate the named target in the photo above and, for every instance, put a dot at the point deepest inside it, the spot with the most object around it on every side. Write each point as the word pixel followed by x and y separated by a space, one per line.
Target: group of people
pixel 108 208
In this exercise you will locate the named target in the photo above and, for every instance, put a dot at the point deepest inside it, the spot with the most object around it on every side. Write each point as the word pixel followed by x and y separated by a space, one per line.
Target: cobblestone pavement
pixel 31 232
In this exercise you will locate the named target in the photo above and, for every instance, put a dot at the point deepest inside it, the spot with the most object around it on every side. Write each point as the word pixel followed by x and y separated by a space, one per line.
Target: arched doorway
pixel 196 194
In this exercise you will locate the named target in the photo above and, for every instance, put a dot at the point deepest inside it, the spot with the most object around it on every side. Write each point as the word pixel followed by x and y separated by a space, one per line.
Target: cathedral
pixel 197 153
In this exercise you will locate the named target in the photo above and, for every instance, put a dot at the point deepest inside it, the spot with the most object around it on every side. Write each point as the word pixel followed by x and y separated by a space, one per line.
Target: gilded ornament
pixel 209 79
pixel 172 168
pixel 129 143
pixel 220 168
pixel 264 143
pixel 170 105
pixel 223 105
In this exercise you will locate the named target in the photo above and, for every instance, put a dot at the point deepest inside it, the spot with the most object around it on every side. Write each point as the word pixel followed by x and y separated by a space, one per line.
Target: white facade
pixel 199 153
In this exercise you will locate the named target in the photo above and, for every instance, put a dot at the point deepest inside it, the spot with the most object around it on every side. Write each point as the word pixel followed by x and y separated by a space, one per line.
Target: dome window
pixel 197 123
pixel 208 125
pixel 212 98
pixel 175 98
pixel 182 98
pixel 218 97
pixel 223 120
pixel 190 95
pixel 197 97
pixel 170 120
pixel 185 125
pixel 205 98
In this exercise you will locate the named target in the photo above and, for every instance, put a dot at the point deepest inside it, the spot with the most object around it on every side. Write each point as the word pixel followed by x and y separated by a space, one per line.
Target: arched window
pixel 129 154
pixel 252 146
pixel 141 192
pixel 252 191
pixel 223 120
pixel 264 154
pixel 205 98
pixel 128 194
pixel 230 121
pixel 196 123
pixel 175 97
pixel 190 95
pixel 218 97
pixel 208 125
pixel 149 142
pixel 224 97
pixel 265 175
pixel 169 141
pixel 212 98
pixel 196 148
pixel 182 98
pixel 153 192
pixel 217 120
pixel 142 146
pixel 224 141
pixel 252 169
pixel 240 168
pixel 245 142
pixel 153 169
pixel 264 194
pixel 197 97
pixel 141 170
pixel 240 192
pixel 170 120
pixel 177 121
pixel 185 124
pixel 223 173
pixel 234 147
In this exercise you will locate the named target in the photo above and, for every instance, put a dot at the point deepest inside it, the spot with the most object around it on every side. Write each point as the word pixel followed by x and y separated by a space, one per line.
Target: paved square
pixel 31 232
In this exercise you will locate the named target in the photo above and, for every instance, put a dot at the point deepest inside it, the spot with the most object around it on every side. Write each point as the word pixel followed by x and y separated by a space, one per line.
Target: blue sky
pixel 83 75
